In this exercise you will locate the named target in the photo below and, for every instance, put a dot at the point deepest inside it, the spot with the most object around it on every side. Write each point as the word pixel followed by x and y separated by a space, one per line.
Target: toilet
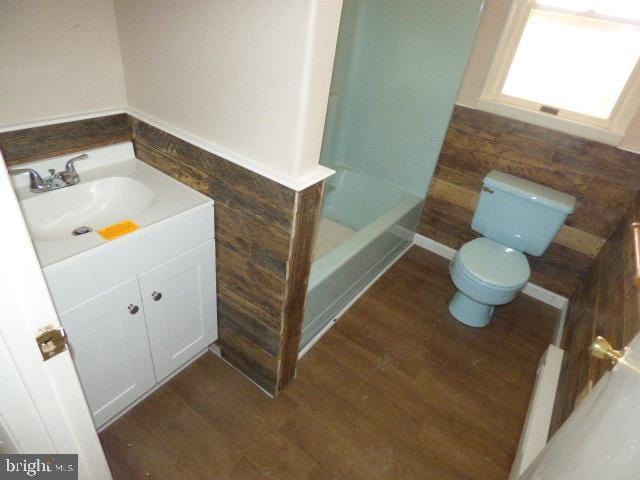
pixel 514 216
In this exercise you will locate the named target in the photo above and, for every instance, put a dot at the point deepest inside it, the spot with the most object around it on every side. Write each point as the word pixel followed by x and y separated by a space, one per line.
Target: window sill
pixel 570 127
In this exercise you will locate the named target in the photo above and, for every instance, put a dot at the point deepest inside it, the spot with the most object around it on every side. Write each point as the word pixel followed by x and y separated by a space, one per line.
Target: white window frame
pixel 610 131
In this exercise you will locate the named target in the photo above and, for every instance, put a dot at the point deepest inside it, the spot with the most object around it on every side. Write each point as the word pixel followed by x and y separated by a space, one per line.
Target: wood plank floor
pixel 396 390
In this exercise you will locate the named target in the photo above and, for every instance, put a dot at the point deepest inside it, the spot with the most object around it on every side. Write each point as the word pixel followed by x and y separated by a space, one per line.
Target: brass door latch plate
pixel 51 342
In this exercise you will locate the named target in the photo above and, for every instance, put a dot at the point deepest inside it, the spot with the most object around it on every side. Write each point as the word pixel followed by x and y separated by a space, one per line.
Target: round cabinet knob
pixel 156 296
pixel 133 309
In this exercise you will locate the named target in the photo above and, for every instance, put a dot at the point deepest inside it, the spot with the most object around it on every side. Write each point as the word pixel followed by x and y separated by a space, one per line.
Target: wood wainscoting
pixel 264 232
pixel 36 143
pixel 604 180
pixel 606 303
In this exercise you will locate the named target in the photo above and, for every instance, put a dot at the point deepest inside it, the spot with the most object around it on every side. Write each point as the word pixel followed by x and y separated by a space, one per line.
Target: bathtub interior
pixel 329 236
pixel 355 199
pixel 352 201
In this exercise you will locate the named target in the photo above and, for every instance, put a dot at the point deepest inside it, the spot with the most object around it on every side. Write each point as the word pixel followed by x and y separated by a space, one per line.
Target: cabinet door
pixel 109 344
pixel 179 299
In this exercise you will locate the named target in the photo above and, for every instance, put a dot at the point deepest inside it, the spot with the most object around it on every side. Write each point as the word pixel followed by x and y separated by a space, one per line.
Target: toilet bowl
pixel 486 273
pixel 514 216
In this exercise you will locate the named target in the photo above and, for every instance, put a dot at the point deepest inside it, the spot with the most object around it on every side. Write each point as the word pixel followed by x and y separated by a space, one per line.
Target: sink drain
pixel 81 231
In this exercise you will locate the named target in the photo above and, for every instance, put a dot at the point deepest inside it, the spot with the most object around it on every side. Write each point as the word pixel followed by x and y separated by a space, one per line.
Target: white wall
pixel 247 78
pixel 58 58
pixel 493 22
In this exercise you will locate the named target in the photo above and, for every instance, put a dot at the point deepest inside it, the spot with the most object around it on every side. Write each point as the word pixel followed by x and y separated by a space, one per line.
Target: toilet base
pixel 470 312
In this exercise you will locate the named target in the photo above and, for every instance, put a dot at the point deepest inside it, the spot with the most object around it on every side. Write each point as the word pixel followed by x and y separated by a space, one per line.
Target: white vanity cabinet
pixel 180 308
pixel 131 337
pixel 138 308
pixel 127 339
pixel 109 344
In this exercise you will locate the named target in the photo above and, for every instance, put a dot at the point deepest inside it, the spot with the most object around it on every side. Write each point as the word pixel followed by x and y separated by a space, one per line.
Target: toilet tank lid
pixel 530 190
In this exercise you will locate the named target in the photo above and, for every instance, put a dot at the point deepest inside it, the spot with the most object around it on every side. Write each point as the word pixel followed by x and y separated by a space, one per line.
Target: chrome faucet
pixel 55 180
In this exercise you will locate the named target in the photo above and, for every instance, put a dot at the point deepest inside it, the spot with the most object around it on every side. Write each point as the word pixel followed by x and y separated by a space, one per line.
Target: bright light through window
pixel 576 63
pixel 628 9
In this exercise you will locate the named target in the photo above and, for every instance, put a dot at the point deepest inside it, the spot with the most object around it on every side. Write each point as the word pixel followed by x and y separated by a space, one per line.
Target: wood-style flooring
pixel 397 389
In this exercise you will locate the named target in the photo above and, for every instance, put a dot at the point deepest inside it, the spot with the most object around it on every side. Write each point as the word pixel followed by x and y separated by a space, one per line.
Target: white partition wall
pixel 248 78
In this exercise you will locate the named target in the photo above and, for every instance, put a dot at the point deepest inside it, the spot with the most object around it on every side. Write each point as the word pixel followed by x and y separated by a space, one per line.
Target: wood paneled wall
pixel 604 179
pixel 30 144
pixel 606 303
pixel 264 233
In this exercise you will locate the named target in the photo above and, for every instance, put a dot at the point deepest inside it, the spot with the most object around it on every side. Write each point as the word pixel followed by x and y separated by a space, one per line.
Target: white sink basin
pixel 97 204
pixel 114 187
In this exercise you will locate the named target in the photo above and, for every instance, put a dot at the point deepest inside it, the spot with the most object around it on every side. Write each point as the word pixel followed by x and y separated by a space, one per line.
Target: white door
pixel 601 438
pixel 42 407
pixel 109 345
pixel 179 300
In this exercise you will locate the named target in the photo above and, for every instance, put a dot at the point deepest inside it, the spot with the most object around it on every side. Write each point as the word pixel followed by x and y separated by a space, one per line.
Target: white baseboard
pixel 434 247
pixel 536 427
pixel 215 349
pixel 559 330
pixel 546 296
pixel 531 289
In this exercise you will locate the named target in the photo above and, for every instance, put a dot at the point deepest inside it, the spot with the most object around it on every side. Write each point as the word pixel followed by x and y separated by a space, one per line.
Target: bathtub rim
pixel 332 260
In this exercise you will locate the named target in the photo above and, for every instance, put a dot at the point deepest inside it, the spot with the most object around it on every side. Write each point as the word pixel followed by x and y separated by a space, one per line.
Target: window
pixel 567 64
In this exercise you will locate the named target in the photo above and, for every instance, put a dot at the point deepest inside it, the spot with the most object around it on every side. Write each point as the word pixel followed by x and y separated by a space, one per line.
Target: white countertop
pixel 170 197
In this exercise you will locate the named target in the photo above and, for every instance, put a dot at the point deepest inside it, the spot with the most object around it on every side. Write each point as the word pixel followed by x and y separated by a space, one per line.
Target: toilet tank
pixel 521 214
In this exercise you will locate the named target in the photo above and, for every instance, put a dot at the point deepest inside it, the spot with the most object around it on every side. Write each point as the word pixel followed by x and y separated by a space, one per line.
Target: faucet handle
pixel 69 167
pixel 70 175
pixel 36 182
pixel 18 171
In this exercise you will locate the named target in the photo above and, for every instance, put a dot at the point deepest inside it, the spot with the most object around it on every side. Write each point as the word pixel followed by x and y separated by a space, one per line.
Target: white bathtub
pixel 382 219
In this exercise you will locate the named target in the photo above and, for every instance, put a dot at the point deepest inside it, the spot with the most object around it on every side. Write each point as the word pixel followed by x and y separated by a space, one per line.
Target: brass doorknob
pixel 601 348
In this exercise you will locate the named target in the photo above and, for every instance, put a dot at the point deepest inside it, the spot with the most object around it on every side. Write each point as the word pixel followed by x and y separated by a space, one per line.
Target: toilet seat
pixel 493 264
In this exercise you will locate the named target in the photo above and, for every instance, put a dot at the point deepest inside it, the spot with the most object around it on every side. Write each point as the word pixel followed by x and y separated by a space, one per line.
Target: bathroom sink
pixel 62 213
pixel 115 190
